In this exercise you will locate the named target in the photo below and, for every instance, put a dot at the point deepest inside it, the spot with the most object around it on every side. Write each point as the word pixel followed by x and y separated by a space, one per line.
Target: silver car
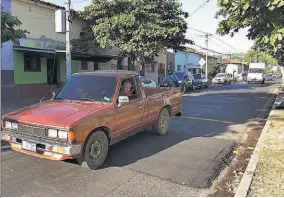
pixel 147 82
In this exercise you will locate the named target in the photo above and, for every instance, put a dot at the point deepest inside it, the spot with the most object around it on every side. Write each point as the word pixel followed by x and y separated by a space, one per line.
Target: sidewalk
pixel 268 179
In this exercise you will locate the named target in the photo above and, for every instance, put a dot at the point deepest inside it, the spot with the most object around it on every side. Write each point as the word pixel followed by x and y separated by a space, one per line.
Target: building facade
pixel 158 69
pixel 187 61
pixel 31 66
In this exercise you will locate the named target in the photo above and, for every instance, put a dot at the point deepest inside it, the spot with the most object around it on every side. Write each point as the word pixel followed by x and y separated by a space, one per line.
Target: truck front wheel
pixel 96 150
pixel 162 125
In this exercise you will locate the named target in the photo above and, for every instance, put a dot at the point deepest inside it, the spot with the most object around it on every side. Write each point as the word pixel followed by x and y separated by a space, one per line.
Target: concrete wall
pixel 170 60
pixel 22 77
pixel 39 20
pixel 186 60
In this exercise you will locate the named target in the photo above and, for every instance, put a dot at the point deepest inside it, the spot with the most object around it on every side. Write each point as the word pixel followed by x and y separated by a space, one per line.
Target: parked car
pixel 82 121
pixel 222 78
pixel 147 82
pixel 200 80
pixel 277 76
pixel 242 77
pixel 268 77
pixel 185 80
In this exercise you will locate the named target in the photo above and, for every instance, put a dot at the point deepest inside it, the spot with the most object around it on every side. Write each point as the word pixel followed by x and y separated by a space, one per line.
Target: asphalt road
pixel 182 163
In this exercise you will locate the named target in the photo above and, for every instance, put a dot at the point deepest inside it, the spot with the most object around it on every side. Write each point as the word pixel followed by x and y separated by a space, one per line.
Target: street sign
pixel 202 62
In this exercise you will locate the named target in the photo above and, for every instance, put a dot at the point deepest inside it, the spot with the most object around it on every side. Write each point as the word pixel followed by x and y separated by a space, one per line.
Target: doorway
pixel 51 71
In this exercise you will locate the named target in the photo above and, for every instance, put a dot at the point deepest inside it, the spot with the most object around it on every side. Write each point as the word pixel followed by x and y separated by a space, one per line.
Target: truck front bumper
pixel 40 147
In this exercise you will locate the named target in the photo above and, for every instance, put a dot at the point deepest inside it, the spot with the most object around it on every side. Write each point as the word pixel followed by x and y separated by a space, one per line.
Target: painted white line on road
pixel 207 119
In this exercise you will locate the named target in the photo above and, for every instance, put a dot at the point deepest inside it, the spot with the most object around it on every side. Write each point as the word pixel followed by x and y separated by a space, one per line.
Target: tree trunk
pixel 282 72
pixel 142 72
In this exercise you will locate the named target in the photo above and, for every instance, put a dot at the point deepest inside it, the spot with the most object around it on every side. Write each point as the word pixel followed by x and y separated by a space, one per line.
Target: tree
pixel 213 70
pixel 139 29
pixel 263 18
pixel 255 56
pixel 8 27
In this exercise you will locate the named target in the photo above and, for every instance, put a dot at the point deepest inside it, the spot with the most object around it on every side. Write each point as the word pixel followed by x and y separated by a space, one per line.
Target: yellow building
pixel 36 63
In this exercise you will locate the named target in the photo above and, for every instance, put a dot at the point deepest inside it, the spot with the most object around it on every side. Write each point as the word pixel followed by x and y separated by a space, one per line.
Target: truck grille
pixel 31 130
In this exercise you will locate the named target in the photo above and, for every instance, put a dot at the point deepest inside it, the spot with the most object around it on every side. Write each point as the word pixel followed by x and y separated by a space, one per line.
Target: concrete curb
pixel 246 181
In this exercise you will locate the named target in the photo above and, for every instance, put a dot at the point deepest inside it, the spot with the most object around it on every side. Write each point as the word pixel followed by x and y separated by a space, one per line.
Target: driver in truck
pixel 126 89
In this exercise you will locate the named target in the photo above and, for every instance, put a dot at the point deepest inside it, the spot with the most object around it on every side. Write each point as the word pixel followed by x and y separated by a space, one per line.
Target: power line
pixel 198 30
pixel 224 43
pixel 198 8
pixel 210 50
pixel 216 43
pixel 79 1
pixel 214 37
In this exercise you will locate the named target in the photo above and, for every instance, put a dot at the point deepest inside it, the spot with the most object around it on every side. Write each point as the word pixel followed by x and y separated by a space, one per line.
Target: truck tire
pixel 96 150
pixel 263 81
pixel 162 125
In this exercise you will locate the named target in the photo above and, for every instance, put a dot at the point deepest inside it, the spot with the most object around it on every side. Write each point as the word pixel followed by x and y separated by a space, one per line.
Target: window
pixel 32 64
pixel 84 65
pixel 129 88
pixel 161 69
pixel 179 68
pixel 152 67
pixel 78 88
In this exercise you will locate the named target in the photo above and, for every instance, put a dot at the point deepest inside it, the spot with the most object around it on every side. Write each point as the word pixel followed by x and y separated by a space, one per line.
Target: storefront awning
pixel 49 51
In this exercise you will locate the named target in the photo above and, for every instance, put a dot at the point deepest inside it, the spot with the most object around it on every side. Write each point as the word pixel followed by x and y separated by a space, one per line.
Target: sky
pixel 203 19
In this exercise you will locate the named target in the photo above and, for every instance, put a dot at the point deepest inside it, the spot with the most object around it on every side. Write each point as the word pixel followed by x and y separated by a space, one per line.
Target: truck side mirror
pixel 122 100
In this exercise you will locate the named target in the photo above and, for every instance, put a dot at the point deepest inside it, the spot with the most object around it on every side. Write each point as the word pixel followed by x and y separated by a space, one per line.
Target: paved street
pixel 183 163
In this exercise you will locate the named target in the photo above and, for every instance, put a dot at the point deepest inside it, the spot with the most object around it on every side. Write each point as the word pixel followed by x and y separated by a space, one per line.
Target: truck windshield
pixel 88 88
pixel 256 70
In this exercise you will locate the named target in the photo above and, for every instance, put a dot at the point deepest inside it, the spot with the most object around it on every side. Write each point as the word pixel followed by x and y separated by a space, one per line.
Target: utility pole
pixel 243 64
pixel 68 50
pixel 206 41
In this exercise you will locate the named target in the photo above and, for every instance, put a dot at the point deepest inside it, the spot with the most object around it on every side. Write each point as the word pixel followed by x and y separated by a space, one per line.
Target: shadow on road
pixel 188 154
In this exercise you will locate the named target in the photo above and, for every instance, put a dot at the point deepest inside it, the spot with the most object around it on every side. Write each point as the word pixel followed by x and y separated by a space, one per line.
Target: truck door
pixel 130 115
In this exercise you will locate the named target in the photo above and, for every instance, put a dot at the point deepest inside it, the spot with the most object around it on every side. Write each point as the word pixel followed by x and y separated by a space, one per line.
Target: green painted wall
pixel 74 68
pixel 22 77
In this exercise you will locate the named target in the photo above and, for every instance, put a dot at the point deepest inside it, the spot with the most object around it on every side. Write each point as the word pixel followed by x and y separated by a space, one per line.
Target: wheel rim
pixel 164 122
pixel 96 149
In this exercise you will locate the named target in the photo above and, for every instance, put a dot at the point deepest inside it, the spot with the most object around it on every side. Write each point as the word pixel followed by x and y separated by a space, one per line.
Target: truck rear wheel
pixel 96 150
pixel 162 125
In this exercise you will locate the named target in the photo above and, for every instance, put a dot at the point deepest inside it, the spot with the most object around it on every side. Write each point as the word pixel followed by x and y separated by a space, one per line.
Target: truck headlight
pixel 59 134
pixel 62 135
pixel 52 133
pixel 8 125
pixel 14 126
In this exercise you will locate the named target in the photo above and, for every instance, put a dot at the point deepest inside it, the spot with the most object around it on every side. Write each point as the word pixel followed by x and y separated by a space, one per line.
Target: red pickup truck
pixel 90 112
